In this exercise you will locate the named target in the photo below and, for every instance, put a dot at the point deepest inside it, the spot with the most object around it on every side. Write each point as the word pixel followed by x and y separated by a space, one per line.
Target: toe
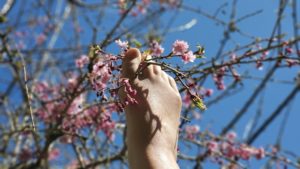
pixel 148 69
pixel 165 76
pixel 131 62
pixel 173 83
pixel 157 69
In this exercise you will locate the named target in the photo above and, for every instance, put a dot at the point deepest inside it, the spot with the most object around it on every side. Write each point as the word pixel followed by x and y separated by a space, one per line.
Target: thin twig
pixel 28 95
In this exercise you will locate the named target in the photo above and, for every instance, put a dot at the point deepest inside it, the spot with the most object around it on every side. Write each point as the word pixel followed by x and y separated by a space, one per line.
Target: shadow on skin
pixel 153 122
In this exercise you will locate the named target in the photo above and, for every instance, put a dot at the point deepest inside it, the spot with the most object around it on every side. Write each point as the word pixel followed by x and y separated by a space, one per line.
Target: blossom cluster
pixel 218 77
pixel 179 47
pixel 130 92
pixel 227 146
pixel 70 114
pixel 182 48
pixel 101 74
pixel 230 150
pixel 156 49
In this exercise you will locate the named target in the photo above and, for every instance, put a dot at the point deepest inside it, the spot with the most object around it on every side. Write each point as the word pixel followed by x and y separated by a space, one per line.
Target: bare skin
pixel 152 124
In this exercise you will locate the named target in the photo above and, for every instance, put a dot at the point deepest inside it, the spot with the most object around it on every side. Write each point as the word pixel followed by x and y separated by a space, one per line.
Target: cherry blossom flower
pixel 83 60
pixel 122 44
pixel 218 78
pixel 180 47
pixel 212 146
pixel 208 92
pixel 130 92
pixel 100 75
pixel 233 57
pixel 231 136
pixel 291 62
pixel 196 115
pixel 187 100
pixel 245 152
pixel 188 57
pixel 53 154
pixel 156 49
pixel 172 3
pixel 41 39
pixel 146 2
pixel 260 153
pixel 289 50
pixel 107 126
pixel 259 64
pixel 191 131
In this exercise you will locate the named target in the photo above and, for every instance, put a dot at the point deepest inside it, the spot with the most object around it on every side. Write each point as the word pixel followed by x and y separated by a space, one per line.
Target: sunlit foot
pixel 152 124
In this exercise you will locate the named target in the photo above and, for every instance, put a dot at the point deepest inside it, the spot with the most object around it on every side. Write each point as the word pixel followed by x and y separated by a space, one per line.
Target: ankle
pixel 152 158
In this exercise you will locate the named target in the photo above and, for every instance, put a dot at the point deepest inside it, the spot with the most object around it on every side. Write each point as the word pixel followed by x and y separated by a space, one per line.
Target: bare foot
pixel 152 124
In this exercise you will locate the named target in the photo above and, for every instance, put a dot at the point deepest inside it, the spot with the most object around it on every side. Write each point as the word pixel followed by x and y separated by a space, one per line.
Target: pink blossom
pixel 180 47
pixel 72 82
pixel 291 62
pixel 187 100
pixel 188 57
pixel 259 64
pixel 260 153
pixel 83 60
pixel 208 92
pixel 53 154
pixel 100 75
pixel 122 6
pixel 156 49
pixel 130 92
pixel 289 50
pixel 233 57
pixel 41 39
pixel 231 136
pixel 73 165
pixel 265 53
pixel 74 108
pixel 146 2
pixel 212 146
pixel 67 139
pixel 228 149
pixel 41 89
pixel 172 3
pixel 20 44
pixel 196 115
pixel 20 34
pixel 107 126
pixel 219 82
pixel 141 9
pixel 122 44
pixel 245 152
pixel 218 78
pixel 191 130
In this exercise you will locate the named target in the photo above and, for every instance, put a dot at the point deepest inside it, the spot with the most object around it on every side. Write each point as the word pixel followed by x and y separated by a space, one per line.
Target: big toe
pixel 131 62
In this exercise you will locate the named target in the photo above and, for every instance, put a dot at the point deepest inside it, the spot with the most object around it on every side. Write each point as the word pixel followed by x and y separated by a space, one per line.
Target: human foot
pixel 152 124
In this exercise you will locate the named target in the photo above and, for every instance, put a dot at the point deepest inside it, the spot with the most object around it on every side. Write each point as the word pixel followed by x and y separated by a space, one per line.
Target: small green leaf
pixel 94 50
pixel 200 56
pixel 2 19
pixel 198 102
pixel 200 52
pixel 137 43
